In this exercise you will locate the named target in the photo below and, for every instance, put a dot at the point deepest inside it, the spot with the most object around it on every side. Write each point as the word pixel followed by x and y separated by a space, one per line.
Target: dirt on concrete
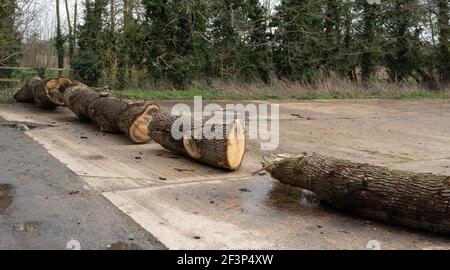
pixel 5 197
pixel 43 205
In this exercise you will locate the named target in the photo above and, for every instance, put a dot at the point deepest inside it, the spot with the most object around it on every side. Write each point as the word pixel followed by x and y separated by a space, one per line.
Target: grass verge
pixel 6 95
pixel 186 95
pixel 307 95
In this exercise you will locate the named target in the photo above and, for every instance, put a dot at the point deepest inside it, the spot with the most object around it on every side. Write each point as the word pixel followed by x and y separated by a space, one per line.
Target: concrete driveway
pixel 197 207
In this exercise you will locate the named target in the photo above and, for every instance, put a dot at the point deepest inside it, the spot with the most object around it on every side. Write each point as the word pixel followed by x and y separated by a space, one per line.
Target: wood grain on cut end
pixel 47 94
pixel 226 152
pixel 191 147
pixel 235 146
pixel 44 93
pixel 111 114
pixel 138 130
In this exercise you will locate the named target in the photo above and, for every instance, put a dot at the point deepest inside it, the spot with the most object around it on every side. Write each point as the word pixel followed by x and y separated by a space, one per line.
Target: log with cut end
pixel 26 93
pixel 111 114
pixel 79 96
pixel 44 93
pixel 47 94
pixel 226 151
pixel 135 119
pixel 416 200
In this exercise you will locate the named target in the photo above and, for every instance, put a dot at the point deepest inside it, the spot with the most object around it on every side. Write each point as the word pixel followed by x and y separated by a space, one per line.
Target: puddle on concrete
pixel 6 197
pixel 123 246
pixel 309 199
pixel 27 226
pixel 282 195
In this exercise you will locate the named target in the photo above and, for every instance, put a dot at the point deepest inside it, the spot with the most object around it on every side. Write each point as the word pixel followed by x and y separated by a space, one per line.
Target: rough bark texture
pixel 26 93
pixel 44 93
pixel 79 96
pixel 111 114
pixel 414 200
pixel 227 153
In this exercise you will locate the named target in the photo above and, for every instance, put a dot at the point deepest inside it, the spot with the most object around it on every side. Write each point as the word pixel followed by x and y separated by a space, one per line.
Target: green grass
pixel 6 95
pixel 23 74
pixel 223 95
pixel 186 95
pixel 398 95
pixel 419 95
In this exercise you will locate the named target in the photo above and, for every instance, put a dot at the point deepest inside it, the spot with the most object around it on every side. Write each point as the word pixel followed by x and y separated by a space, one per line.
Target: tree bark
pixel 368 57
pixel 59 40
pixel 26 93
pixel 69 25
pixel 415 200
pixel 44 93
pixel 111 114
pixel 74 32
pixel 79 96
pixel 226 152
pixel 444 37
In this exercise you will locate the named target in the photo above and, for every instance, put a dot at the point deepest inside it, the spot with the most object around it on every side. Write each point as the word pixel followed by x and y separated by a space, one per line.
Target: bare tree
pixel 69 25
pixel 75 14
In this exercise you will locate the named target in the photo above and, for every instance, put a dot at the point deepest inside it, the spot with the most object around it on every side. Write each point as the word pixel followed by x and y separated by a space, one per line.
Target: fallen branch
pixel 226 152
pixel 416 200
pixel 111 114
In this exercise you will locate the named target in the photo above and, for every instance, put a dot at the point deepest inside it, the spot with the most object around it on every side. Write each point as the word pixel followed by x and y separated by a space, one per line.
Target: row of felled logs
pixel 409 199
pixel 139 120
pixel 111 114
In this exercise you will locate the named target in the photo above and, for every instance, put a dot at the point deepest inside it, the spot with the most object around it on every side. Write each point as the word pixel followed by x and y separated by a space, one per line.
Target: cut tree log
pixel 44 93
pixel 47 94
pixel 111 114
pixel 416 200
pixel 79 96
pixel 226 152
pixel 26 93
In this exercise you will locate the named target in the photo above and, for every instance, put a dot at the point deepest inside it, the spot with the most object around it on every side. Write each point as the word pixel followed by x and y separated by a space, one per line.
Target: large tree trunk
pixel 444 37
pixel 111 114
pixel 26 93
pixel 44 93
pixel 59 40
pixel 78 97
pixel 416 200
pixel 226 152
pixel 69 25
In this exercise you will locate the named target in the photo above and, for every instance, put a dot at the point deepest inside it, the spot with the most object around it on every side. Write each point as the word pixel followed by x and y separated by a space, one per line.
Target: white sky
pixel 45 23
pixel 44 11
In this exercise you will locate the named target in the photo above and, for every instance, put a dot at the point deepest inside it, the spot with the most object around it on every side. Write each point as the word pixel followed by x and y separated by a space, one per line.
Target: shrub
pixel 87 67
